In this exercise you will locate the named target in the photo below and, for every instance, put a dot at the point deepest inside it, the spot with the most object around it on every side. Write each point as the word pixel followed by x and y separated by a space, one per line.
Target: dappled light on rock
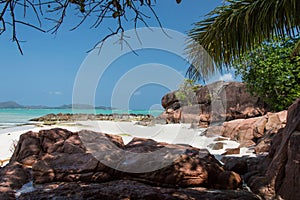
pixel 60 160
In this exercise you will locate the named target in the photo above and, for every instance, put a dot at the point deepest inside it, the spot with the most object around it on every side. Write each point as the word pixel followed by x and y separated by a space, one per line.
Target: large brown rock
pixel 128 189
pixel 283 172
pixel 245 130
pixel 70 167
pixel 239 102
pixel 245 165
pixel 28 149
pixel 236 164
pixel 281 179
pixel 7 193
pixel 12 177
pixel 263 146
pixel 276 121
pixel 58 156
pixel 252 131
pixel 194 167
pixel 168 100
pixel 218 101
pixel 165 164
pixel 289 188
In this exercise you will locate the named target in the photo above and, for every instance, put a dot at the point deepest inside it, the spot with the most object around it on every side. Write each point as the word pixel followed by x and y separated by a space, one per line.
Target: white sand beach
pixel 171 133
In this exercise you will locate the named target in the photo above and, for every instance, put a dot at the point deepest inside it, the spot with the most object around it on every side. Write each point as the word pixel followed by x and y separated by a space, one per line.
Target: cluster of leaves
pixel 237 26
pixel 272 72
pixel 186 92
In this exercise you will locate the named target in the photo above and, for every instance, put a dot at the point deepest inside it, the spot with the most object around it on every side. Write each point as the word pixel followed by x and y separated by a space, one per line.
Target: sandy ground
pixel 171 133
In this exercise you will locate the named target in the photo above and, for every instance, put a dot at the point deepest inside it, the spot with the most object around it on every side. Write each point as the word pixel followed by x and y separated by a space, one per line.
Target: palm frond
pixel 204 60
pixel 235 27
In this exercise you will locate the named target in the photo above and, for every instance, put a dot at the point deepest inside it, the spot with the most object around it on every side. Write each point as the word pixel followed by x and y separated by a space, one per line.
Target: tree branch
pixel 56 10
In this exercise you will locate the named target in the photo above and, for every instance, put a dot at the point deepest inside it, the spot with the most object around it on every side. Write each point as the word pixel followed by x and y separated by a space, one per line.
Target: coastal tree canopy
pixel 34 13
pixel 270 72
pixel 237 26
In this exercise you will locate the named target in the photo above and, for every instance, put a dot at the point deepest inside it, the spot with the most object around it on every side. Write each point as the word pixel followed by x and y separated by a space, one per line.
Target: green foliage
pixel 237 26
pixel 186 92
pixel 271 72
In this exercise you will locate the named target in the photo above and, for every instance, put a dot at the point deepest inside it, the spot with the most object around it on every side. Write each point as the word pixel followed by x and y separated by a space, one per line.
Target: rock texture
pixel 219 101
pixel 253 131
pixel 58 159
pixel 127 189
pixel 231 151
pixel 68 117
pixel 282 176
pixel 12 177
pixel 195 167
pixel 276 175
pixel 61 167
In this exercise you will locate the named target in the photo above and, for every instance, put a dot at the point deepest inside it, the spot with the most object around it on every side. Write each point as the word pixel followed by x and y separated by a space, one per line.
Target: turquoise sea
pixel 15 117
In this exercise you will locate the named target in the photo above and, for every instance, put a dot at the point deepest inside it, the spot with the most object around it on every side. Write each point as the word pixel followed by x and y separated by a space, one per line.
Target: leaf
pixel 271 73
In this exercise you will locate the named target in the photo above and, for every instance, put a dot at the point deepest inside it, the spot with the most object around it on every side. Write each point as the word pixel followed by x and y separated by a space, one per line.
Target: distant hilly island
pixel 13 104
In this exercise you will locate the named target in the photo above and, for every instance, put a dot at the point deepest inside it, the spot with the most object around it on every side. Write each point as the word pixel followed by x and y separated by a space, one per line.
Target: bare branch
pixel 118 30
pixel 14 34
pixel 3 29
pixel 35 12
pixel 30 25
pixel 4 9
pixel 55 11
pixel 87 15
pixel 160 24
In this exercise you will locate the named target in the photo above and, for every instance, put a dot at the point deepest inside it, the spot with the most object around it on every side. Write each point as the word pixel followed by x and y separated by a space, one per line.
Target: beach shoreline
pixel 170 133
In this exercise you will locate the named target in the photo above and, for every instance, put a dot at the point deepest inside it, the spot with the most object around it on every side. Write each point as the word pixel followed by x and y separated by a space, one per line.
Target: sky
pixel 48 70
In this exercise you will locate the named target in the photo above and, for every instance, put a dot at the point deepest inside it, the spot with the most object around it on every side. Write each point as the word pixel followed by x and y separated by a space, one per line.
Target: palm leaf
pixel 235 27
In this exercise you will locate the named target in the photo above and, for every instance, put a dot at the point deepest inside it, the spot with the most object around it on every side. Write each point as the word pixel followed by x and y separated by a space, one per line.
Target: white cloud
pixel 226 77
pixel 55 93
pixel 219 77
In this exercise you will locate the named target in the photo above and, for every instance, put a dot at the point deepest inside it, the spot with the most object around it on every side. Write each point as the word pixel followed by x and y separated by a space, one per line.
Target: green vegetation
pixel 236 27
pixel 186 92
pixel 271 72
pixel 235 34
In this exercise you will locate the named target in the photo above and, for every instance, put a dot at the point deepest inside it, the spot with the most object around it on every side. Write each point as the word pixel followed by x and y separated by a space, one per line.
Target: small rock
pixel 232 151
pixel 216 146
pixel 144 123
pixel 236 164
pixel 220 139
pixel 230 180
pixel 263 146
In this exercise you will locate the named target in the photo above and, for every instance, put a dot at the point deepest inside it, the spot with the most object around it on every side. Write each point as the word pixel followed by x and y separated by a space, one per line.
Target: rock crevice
pixel 58 158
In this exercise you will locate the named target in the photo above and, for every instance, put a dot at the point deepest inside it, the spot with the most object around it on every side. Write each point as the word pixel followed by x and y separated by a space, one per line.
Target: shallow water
pixel 15 117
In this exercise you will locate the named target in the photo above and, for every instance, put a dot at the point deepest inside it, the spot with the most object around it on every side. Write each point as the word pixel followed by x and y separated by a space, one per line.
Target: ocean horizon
pixel 10 117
